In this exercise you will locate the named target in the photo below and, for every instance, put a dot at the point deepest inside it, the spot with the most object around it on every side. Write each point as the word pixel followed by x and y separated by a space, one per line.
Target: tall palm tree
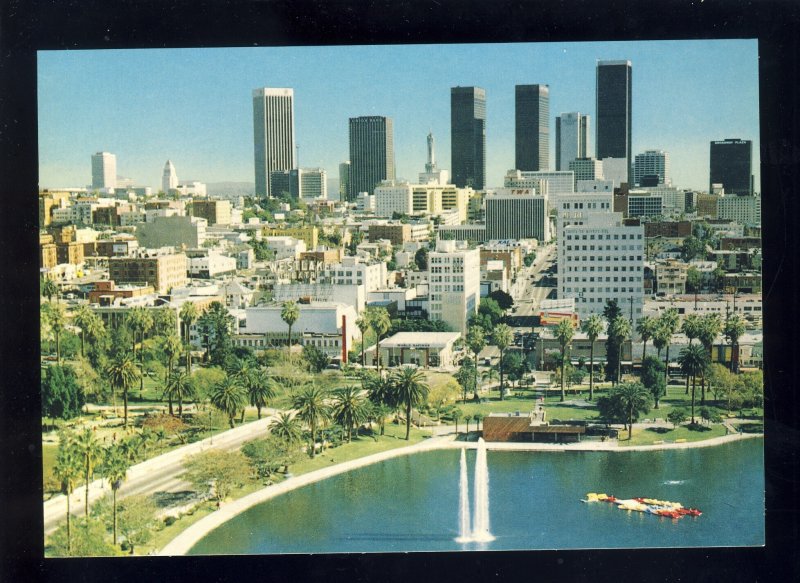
pixel 620 327
pixel 634 397
pixel 289 314
pixel 122 373
pixel 229 396
pixel 188 316
pixel 312 409
pixel 48 288
pixel 179 386
pixel 260 389
pixel 691 326
pixel 733 330
pixel 645 328
pixel 710 327
pixel 476 341
pixel 501 337
pixel 286 427
pixel 380 322
pixel 115 469
pixel 693 361
pixel 564 333
pixel 90 452
pixel 411 389
pixel 592 326
pixel 668 321
pixel 140 321
pixel 55 317
pixel 67 470
pixel 349 408
pixel 84 319
pixel 362 323
pixel 171 345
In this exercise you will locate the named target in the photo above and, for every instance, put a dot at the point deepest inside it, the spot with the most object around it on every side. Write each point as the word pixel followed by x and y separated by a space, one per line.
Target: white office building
pixel 454 277
pixel 586 169
pixel 644 204
pixel 393 197
pixel 284 246
pixel 745 210
pixel 652 163
pixel 104 171
pixel 351 271
pixel 616 169
pixel 602 259
pixel 517 213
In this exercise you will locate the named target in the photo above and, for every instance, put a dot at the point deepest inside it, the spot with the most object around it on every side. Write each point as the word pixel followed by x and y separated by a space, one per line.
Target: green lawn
pixel 648 435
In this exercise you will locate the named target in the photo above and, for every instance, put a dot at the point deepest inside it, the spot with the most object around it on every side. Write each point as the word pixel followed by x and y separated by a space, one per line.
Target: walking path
pixel 182 543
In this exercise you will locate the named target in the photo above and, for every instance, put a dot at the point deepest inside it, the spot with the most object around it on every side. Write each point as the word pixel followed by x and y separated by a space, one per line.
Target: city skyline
pixel 205 128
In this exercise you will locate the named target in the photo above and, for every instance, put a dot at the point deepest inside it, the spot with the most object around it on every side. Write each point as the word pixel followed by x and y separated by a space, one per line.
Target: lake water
pixel 411 503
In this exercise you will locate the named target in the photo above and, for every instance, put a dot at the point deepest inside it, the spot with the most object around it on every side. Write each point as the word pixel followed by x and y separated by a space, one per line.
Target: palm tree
pixel 179 386
pixel 564 333
pixel 260 389
pixel 669 323
pixel 362 323
pixel 691 328
pixel 188 315
pixel 710 327
pixel 312 408
pixel 592 326
pixel 67 470
pixel 621 328
pixel 286 427
pixel 410 389
pixel 229 397
pixel 86 320
pixel 349 408
pixel 634 396
pixel 501 337
pixel 115 469
pixel 380 322
pixel 122 373
pixel 55 316
pixel 693 361
pixel 48 288
pixel 140 321
pixel 645 328
pixel 89 450
pixel 476 341
pixel 289 314
pixel 733 330
pixel 171 345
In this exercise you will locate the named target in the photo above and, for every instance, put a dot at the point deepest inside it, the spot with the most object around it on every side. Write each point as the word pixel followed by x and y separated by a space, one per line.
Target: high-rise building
pixel 169 179
pixel 454 283
pixel 572 138
pixel 652 163
pixel 586 169
pixel 517 213
pixel 104 170
pixel 614 82
pixel 532 123
pixel 344 179
pixel 273 134
pixel 305 183
pixel 371 153
pixel 432 172
pixel 731 164
pixel 468 136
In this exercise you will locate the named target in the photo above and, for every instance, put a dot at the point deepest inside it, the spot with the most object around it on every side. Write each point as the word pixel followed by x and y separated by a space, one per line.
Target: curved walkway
pixel 182 543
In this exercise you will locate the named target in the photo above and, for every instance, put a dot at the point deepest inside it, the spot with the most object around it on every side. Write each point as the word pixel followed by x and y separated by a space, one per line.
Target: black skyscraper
pixel 532 123
pixel 614 110
pixel 731 164
pixel 468 136
pixel 371 153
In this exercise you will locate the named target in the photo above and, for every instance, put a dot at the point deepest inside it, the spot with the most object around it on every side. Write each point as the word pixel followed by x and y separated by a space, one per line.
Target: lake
pixel 410 503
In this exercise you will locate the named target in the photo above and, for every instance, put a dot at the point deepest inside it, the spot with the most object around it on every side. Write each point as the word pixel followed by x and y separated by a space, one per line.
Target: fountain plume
pixel 480 523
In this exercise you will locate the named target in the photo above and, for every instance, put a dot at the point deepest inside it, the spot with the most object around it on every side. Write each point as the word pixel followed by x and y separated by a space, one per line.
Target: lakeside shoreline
pixel 185 540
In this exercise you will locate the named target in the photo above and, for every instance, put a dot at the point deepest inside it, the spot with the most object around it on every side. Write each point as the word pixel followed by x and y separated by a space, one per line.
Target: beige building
pixel 216 212
pixel 671 277
pixel 162 270
pixel 308 234
pixel 396 234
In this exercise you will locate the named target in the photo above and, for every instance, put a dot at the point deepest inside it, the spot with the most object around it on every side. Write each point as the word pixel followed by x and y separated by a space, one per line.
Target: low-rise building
pixel 423 349
pixel 671 277
pixel 216 212
pixel 161 268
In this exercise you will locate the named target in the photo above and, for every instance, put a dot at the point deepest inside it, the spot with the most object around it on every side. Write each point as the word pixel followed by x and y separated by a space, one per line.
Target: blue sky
pixel 194 106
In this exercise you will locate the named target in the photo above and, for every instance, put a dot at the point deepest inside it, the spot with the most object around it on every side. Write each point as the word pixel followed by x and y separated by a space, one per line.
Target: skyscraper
pixel 731 164
pixel 468 136
pixel 614 82
pixel 273 134
pixel 432 172
pixel 532 123
pixel 371 153
pixel 169 179
pixel 652 163
pixel 344 179
pixel 104 170
pixel 572 138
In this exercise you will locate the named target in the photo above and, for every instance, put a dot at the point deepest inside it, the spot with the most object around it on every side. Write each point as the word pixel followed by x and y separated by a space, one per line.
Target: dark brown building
pixel 673 229
pixel 522 427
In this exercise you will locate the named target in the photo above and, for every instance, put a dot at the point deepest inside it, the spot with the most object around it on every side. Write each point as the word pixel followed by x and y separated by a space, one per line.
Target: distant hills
pixel 230 189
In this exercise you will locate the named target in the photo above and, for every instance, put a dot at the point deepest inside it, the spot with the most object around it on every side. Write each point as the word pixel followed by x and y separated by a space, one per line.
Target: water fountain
pixel 480 523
